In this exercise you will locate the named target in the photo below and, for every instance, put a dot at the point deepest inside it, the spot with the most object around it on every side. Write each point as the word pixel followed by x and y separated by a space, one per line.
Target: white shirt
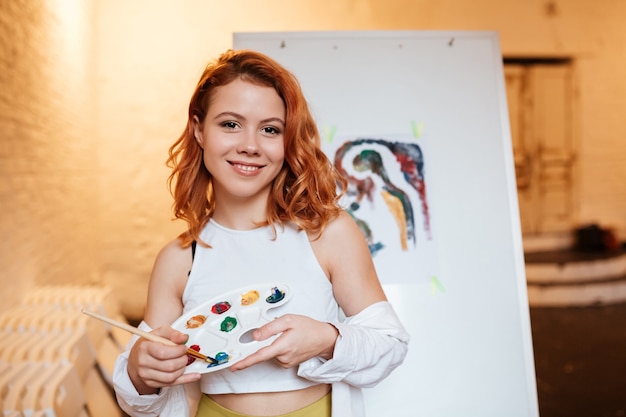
pixel 370 344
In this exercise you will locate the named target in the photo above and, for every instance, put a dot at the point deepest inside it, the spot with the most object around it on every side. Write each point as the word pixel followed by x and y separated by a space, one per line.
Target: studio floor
pixel 580 360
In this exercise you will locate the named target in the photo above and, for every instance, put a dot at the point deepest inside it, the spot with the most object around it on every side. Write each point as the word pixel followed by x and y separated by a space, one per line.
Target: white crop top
pixel 243 258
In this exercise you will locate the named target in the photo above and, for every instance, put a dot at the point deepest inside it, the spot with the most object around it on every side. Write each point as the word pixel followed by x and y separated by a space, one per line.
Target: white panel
pixel 471 349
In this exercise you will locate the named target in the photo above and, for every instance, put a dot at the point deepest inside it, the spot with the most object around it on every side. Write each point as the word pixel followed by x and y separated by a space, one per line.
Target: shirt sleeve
pixel 170 401
pixel 371 344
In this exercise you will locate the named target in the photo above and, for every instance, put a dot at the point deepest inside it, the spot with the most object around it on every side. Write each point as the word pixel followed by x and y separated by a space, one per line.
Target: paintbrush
pixel 147 335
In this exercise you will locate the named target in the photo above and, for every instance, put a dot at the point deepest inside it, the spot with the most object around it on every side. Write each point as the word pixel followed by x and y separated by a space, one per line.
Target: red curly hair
pixel 307 189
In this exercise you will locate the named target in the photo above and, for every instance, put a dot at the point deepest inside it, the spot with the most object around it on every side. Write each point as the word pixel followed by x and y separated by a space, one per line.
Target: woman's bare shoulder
pixel 173 251
pixel 342 227
pixel 341 240
pixel 343 253
pixel 167 283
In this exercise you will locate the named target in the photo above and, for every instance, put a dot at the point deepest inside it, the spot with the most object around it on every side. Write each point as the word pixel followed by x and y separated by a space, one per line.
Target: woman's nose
pixel 249 143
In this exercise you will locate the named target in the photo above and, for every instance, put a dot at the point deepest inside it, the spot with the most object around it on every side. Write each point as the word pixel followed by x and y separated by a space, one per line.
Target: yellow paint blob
pixel 250 297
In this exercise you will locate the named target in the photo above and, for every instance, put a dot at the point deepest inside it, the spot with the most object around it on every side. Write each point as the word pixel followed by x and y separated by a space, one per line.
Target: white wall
pixel 49 224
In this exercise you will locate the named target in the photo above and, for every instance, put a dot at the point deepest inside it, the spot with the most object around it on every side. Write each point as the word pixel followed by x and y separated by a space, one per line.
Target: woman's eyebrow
pixel 229 114
pixel 273 119
pixel 242 117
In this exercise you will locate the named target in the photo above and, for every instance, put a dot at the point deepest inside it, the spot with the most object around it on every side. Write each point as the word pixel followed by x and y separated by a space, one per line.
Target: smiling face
pixel 242 139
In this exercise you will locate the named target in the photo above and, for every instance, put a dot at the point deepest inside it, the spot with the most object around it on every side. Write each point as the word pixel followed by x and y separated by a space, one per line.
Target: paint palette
pixel 222 327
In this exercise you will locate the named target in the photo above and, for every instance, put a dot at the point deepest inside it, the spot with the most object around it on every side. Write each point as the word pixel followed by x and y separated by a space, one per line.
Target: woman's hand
pixel 302 338
pixel 152 365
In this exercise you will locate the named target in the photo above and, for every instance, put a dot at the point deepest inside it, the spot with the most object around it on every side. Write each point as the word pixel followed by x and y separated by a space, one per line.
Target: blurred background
pixel 93 93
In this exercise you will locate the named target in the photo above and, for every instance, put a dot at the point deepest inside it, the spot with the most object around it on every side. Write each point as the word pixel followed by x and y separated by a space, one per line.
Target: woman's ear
pixel 197 130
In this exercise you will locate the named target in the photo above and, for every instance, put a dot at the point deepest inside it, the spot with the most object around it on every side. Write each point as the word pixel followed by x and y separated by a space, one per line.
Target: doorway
pixel 541 101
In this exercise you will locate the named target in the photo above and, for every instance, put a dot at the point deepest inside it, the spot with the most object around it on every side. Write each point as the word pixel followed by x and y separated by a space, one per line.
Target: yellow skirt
pixel 320 408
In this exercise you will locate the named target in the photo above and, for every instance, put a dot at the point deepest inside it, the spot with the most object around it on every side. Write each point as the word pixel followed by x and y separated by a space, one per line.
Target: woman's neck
pixel 240 216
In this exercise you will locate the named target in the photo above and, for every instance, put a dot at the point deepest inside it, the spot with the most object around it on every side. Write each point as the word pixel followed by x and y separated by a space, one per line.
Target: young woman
pixel 261 201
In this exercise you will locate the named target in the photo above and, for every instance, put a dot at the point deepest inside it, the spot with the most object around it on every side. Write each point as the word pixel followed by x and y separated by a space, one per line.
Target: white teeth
pixel 247 168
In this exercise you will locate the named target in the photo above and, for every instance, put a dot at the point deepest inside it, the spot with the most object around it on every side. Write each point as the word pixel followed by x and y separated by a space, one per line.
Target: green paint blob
pixel 228 324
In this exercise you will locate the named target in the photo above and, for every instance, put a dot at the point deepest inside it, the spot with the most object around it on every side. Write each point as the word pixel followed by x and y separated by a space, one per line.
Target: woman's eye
pixel 271 130
pixel 229 125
